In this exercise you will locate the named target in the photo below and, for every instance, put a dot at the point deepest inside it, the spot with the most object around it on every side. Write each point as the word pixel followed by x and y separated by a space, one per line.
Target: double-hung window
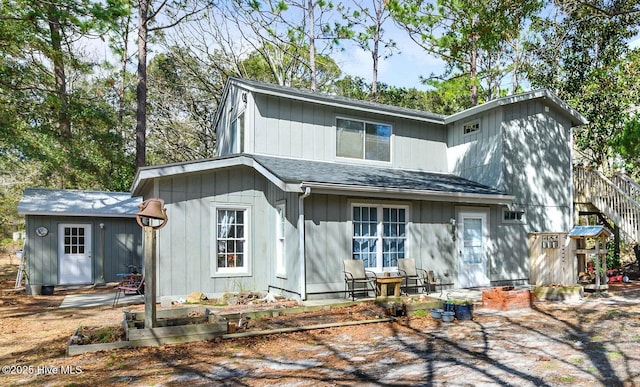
pixel 363 140
pixel 231 240
pixel 379 235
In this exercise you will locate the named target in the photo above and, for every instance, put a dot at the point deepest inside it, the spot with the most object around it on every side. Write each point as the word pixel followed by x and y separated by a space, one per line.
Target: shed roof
pixel 589 232
pixel 38 201
pixel 294 175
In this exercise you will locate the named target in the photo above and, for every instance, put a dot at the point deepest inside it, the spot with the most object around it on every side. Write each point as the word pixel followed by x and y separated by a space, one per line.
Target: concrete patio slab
pixel 99 299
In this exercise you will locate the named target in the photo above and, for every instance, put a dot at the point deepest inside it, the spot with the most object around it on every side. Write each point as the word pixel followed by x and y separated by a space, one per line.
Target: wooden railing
pixel 617 198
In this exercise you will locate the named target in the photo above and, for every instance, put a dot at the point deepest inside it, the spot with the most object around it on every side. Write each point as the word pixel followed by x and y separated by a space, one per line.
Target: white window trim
pixel 281 244
pixel 474 122
pixel 379 231
pixel 238 131
pixel 236 271
pixel 523 220
pixel 363 160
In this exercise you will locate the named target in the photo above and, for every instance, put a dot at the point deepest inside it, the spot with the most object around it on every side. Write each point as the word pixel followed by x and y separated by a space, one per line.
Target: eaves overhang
pixel 576 118
pixel 146 174
pixel 333 101
pixel 409 194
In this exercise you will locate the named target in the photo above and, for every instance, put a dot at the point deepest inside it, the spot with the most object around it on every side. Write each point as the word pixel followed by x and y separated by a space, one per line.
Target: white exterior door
pixel 473 237
pixel 74 254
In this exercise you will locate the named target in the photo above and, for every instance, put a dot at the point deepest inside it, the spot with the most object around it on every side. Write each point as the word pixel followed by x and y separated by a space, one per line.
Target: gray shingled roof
pixel 332 99
pixel 78 203
pixel 298 171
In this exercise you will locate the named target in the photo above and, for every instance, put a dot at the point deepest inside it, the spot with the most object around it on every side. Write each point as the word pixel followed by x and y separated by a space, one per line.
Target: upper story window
pixel 509 216
pixel 237 134
pixel 363 140
pixel 471 127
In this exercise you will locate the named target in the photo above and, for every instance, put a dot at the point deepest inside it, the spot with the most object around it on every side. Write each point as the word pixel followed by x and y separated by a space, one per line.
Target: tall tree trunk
pixel 63 118
pixel 312 45
pixel 376 58
pixel 473 71
pixel 123 76
pixel 64 122
pixel 141 89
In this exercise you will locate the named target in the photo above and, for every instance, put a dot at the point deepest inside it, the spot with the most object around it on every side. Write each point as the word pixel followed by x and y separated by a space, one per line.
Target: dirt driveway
pixel 591 342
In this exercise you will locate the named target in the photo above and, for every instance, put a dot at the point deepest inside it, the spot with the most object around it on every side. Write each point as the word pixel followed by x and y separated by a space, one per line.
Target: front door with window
pixel 473 235
pixel 74 254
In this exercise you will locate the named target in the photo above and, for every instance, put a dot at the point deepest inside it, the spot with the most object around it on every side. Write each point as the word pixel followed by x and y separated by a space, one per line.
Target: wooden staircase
pixel 618 198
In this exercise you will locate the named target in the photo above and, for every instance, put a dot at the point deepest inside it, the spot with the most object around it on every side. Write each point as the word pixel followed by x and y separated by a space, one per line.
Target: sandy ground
pixel 595 341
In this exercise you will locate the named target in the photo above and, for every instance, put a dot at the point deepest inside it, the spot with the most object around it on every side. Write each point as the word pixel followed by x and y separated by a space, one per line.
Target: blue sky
pixel 402 69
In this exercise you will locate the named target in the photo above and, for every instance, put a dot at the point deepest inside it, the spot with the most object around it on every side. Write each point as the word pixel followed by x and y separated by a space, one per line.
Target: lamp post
pixel 152 216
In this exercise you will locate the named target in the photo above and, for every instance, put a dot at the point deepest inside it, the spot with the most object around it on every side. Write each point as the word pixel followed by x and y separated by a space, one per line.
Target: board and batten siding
pixel 186 259
pixel 537 166
pixel 288 128
pixel 227 141
pixel 523 149
pixel 429 241
pixel 114 247
pixel 478 156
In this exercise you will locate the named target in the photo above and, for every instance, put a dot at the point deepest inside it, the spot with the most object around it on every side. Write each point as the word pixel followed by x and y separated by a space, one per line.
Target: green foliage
pixel 467 35
pixel 613 257
pixel 181 107
pixel 627 145
pixel 582 55
pixel 56 121
pixel 366 28
pixel 434 101
pixel 420 313
pixel 290 70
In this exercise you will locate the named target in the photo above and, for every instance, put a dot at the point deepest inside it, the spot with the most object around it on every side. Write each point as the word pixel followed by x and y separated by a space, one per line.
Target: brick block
pixel 506 298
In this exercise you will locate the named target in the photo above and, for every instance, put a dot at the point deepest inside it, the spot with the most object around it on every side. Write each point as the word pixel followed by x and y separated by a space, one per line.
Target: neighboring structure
pixel 79 237
pixel 304 180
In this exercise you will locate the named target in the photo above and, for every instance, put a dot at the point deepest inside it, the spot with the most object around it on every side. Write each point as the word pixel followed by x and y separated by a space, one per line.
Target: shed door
pixel 74 254
pixel 473 238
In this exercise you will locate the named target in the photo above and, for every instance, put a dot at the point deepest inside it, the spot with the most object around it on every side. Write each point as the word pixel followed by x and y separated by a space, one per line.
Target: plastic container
pixel 464 312
pixel 47 290
pixel 34 289
pixel 448 316
pixel 436 312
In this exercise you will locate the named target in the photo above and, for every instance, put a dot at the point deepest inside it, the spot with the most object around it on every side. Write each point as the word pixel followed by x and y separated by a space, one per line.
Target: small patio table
pixel 382 284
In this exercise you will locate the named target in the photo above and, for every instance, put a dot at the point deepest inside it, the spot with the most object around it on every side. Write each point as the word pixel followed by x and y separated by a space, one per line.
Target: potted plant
pixel 463 309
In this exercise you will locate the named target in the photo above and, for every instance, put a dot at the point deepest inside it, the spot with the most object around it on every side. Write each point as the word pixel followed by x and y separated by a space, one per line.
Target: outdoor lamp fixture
pixel 151 212
pixel 152 216
pixel 453 228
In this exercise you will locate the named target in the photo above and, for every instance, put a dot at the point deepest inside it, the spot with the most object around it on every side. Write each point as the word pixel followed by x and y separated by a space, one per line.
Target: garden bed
pixel 557 293
pixel 200 323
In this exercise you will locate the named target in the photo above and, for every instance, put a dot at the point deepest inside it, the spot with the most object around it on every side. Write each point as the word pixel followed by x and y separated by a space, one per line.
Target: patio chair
pixel 416 276
pixel 130 283
pixel 433 281
pixel 356 278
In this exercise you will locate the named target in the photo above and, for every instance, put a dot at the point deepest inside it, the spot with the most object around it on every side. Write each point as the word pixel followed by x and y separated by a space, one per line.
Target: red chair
pixel 130 283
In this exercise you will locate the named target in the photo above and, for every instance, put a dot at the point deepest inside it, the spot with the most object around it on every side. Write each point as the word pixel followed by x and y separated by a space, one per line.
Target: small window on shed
pixel 510 216
pixel 471 127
